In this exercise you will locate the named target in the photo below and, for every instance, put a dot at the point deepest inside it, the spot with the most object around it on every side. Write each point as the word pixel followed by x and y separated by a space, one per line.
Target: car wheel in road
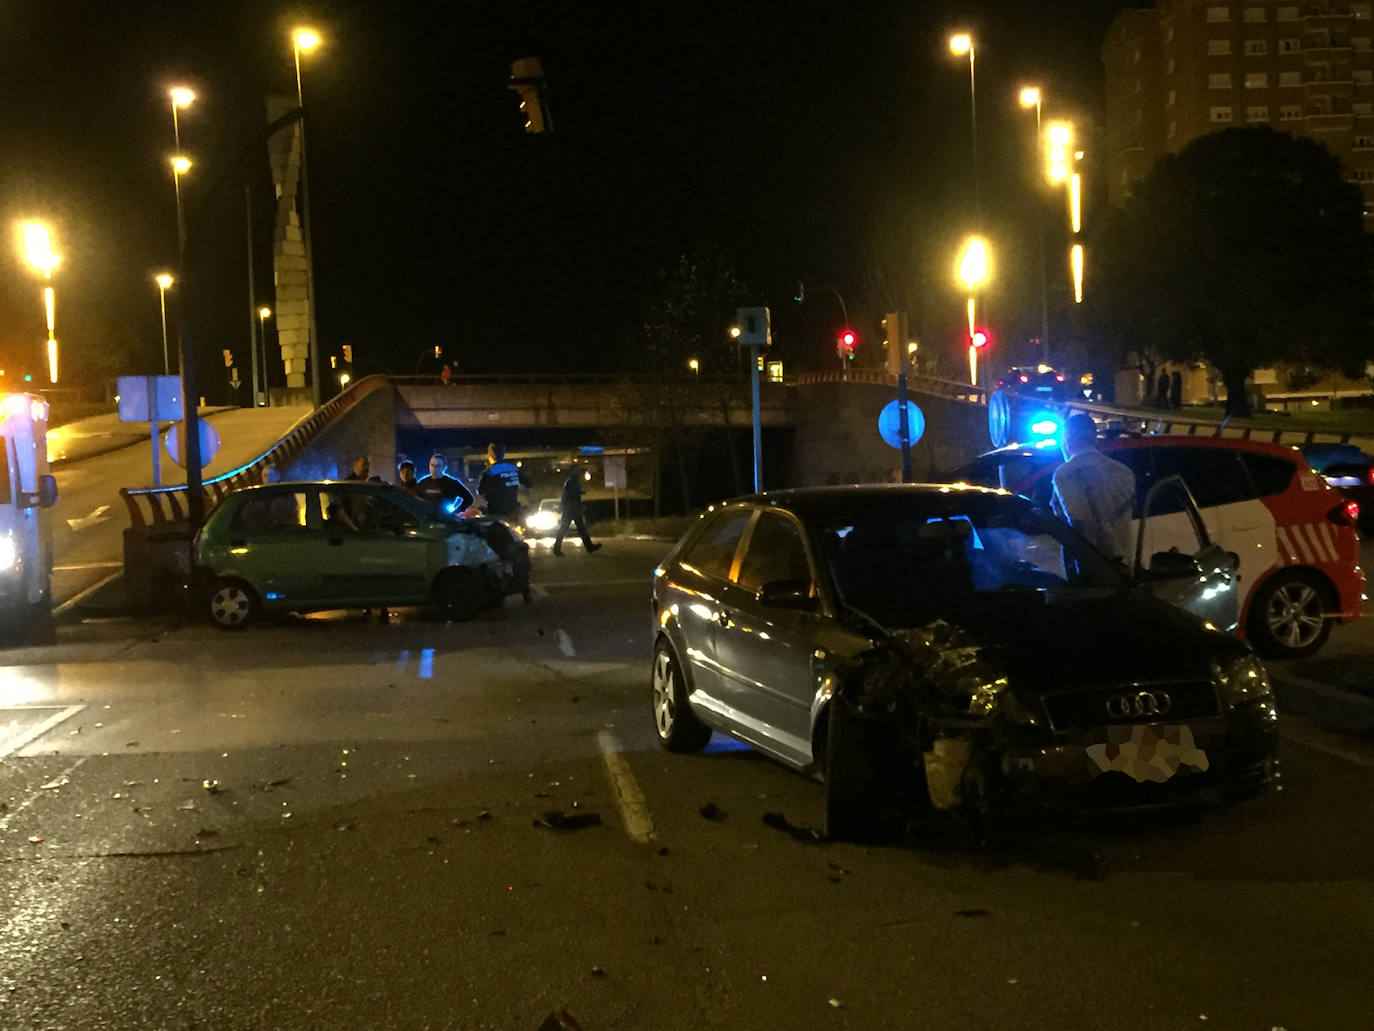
pixel 851 775
pixel 233 604
pixel 1286 616
pixel 678 728
pixel 461 595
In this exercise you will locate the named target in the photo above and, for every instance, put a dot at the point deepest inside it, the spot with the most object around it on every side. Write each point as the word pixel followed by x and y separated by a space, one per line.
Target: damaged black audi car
pixel 952 648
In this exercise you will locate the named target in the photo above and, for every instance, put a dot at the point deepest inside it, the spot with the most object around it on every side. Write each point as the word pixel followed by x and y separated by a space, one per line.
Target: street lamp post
pixel 961 43
pixel 38 250
pixel 973 272
pixel 164 282
pixel 1031 97
pixel 303 41
pixel 695 366
pixel 264 313
pixel 181 97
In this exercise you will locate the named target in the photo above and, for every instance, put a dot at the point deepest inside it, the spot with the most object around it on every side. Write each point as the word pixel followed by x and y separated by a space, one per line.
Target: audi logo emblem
pixel 1143 703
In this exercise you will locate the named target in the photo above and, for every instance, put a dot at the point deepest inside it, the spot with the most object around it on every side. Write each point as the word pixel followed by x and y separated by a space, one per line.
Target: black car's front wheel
pixel 461 594
pixel 678 728
pixel 852 782
pixel 1288 616
pixel 232 604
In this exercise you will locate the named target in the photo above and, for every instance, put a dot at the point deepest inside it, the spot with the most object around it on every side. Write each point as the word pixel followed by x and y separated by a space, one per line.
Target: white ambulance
pixel 27 491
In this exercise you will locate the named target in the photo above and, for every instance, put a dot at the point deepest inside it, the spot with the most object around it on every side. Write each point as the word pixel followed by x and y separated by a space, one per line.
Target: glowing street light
pixel 264 313
pixel 37 239
pixel 694 365
pixel 973 273
pixel 164 283
pixel 304 40
pixel 1031 96
pixel 1058 151
pixel 961 43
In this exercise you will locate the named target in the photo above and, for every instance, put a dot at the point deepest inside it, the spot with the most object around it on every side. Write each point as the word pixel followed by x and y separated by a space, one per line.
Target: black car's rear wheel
pixel 232 604
pixel 1287 617
pixel 678 728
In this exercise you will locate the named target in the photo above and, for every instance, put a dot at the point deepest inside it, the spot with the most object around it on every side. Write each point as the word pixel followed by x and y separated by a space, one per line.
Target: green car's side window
pixel 275 511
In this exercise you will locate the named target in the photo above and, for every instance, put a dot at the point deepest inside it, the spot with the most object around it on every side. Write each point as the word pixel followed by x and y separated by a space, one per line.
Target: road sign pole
pixel 754 358
pixel 153 421
pixel 903 421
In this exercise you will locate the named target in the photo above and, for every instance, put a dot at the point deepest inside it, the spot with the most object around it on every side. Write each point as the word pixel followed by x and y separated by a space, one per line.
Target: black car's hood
pixel 1065 640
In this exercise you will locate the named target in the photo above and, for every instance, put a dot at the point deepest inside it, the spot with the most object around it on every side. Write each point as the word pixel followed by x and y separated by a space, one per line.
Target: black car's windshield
pixel 905 560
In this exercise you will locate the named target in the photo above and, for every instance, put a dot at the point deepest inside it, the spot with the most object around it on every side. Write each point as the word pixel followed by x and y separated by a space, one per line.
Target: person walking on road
pixel 1093 492
pixel 570 508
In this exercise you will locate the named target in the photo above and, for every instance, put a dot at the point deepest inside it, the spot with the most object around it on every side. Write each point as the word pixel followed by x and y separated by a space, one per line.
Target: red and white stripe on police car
pixel 1307 543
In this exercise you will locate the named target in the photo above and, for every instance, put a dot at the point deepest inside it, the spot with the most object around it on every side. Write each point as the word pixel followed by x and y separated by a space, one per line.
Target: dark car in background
pixel 303 547
pixel 1348 469
pixel 1042 381
pixel 950 647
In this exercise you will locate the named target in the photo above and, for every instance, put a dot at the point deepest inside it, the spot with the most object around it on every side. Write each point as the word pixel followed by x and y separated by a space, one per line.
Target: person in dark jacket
pixel 361 468
pixel 570 508
pixel 501 484
pixel 405 477
pixel 1162 390
pixel 441 489
pixel 1176 389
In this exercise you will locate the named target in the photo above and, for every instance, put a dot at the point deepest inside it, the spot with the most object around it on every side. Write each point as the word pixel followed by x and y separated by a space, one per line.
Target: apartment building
pixel 1190 67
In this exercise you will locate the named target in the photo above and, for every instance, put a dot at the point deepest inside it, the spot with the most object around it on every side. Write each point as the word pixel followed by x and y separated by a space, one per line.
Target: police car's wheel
pixel 678 729
pixel 233 605
pixel 1287 616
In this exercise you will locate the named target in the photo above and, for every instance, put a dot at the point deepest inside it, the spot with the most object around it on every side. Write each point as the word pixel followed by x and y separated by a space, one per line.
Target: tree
pixel 1244 249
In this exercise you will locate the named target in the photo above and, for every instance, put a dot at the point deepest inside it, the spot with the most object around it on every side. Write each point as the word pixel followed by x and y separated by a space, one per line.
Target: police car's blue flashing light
pixel 1048 442
pixel 272 595
pixel 1046 424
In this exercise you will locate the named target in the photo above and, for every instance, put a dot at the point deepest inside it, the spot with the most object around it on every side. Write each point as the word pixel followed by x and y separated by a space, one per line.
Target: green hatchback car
pixel 300 547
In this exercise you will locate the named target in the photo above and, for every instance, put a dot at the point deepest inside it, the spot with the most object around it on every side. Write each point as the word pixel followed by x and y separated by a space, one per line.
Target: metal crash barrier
pixel 158 540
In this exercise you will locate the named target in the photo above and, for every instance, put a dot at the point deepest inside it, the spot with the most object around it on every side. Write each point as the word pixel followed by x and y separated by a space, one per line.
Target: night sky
pixel 810 141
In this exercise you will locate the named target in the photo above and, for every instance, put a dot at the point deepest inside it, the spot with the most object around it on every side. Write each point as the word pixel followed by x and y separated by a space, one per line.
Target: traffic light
pixel 979 338
pixel 348 354
pixel 527 79
pixel 845 344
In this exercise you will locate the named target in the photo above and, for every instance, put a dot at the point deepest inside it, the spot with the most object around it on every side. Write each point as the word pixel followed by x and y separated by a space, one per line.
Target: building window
pixel 1136 58
pixel 1363 108
pixel 1361 10
pixel 1169 66
pixel 1254 14
pixel 1258 113
pixel 1288 14
pixel 1256 80
pixel 1290 113
pixel 1290 46
pixel 1363 76
pixel 1290 78
pixel 1256 47
pixel 1172 131
pixel 1219 80
pixel 1360 43
pixel 1218 14
pixel 1170 98
pixel 1364 142
pixel 1218 47
pixel 1168 34
pixel 1218 114
pixel 1362 175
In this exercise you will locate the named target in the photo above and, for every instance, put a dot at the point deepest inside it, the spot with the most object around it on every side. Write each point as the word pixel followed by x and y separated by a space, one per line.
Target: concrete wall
pixel 836 437
pixel 368 429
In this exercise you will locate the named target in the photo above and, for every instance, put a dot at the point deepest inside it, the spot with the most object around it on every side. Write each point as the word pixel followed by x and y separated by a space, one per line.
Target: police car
pixel 1294 536
pixel 27 491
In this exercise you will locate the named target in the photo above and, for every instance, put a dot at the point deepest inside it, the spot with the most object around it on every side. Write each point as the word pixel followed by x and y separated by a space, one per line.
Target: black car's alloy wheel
pixel 678 729
pixel 233 605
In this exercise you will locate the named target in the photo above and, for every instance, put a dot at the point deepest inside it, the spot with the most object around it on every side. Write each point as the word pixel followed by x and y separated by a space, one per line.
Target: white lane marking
pixel 8 748
pixel 565 644
pixel 634 811
pixel 83 595
pixel 88 565
pixel 539 591
pixel 1327 743
pixel 5 820
pixel 85 522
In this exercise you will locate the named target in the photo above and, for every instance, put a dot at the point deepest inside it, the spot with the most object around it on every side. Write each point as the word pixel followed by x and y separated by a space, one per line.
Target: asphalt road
pixel 366 856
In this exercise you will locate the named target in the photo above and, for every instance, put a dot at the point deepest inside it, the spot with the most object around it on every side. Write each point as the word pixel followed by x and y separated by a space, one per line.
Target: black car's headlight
pixel 1242 680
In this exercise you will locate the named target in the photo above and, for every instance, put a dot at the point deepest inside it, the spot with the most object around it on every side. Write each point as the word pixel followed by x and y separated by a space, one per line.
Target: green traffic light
pixel 28 377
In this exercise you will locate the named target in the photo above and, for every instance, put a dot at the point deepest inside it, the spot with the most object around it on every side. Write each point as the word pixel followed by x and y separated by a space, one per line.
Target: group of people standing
pixel 1169 389
pixel 497 494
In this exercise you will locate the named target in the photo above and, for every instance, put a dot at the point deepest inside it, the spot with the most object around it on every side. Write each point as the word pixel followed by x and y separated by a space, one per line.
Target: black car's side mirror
pixel 787 594
pixel 1171 565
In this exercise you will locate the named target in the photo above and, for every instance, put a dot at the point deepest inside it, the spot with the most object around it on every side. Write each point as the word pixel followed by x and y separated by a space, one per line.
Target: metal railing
pixel 149 506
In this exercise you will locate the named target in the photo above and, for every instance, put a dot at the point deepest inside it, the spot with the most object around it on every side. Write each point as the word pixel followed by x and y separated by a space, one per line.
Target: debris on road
pixel 598 972
pixel 57 783
pixel 971 912
pixel 36 839
pixel 809 835
pixel 711 811
pixel 561 1020
pixel 212 786
pixel 557 820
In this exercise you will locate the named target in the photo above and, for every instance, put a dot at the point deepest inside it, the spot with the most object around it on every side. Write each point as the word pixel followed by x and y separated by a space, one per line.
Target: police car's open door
pixel 1203 581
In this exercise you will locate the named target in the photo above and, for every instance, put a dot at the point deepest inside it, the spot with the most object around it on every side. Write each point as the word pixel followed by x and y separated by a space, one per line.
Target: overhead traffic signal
pixel 845 344
pixel 979 338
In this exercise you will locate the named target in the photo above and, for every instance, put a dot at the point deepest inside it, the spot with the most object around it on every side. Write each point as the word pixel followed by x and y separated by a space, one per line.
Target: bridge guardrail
pixel 155 506
pixel 918 383
pixel 1178 422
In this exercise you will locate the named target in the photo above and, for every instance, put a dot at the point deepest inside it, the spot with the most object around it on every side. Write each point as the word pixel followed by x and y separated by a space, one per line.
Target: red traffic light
pixel 845 343
pixel 979 338
pixel 847 338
